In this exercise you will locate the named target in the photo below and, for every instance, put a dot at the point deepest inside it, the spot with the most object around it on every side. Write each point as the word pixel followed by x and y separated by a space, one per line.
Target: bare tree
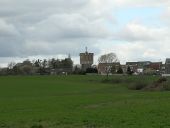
pixel 11 65
pixel 108 59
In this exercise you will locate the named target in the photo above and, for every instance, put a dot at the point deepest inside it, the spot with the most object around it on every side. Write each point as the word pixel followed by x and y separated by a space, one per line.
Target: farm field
pixel 80 102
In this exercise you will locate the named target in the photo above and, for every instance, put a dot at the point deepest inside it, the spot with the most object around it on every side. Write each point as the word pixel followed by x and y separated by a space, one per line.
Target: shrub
pixel 162 79
pixel 120 70
pixel 91 70
pixel 166 86
pixel 159 85
pixel 129 71
pixel 137 85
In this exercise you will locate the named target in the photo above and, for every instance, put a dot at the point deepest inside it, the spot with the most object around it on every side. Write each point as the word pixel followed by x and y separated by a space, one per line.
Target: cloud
pixel 68 26
pixel 138 32
pixel 59 27
pixel 142 3
pixel 51 27
pixel 7 29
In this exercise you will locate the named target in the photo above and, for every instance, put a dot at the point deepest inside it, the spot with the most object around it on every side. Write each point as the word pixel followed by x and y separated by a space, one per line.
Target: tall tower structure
pixel 86 60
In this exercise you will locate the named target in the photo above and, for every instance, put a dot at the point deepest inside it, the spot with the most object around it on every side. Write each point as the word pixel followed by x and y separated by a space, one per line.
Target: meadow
pixel 80 102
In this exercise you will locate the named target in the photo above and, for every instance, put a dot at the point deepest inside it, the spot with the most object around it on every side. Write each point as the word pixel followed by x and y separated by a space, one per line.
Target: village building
pixel 154 68
pixel 145 67
pixel 133 66
pixel 167 66
pixel 155 65
pixel 103 68
pixel 163 69
pixel 124 68
pixel 143 64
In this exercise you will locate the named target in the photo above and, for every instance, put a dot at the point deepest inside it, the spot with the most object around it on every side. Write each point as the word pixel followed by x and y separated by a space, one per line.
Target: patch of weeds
pixel 3 125
pixel 37 126
pixel 159 85
pixel 137 85
pixel 166 86
pixel 105 81
pixel 89 124
pixel 117 81
pixel 161 80
pixel 113 81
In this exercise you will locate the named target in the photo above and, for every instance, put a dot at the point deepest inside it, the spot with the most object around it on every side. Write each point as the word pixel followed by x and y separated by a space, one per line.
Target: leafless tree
pixel 11 65
pixel 107 59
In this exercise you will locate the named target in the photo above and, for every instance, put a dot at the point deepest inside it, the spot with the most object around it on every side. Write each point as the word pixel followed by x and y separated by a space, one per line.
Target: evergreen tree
pixel 129 71
pixel 120 70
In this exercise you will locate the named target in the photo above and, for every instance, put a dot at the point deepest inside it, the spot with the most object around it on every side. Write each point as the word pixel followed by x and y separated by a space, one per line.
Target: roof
pixel 144 62
pixel 131 63
pixel 114 63
pixel 167 61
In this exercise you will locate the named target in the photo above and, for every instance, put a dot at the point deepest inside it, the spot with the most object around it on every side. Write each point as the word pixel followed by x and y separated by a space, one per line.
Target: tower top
pixel 69 56
pixel 86 50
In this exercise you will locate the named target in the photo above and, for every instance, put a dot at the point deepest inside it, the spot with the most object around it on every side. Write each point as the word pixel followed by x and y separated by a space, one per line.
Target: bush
pixel 162 79
pixel 120 71
pixel 91 70
pixel 137 85
pixel 159 85
pixel 166 86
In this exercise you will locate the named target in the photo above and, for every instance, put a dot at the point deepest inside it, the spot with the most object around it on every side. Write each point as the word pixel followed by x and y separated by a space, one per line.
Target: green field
pixel 79 102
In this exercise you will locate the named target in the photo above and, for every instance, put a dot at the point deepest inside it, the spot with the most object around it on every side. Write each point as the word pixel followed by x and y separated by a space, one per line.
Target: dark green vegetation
pixel 81 102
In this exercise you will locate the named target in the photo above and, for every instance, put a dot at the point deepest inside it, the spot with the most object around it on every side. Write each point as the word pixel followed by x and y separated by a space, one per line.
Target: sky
pixel 136 30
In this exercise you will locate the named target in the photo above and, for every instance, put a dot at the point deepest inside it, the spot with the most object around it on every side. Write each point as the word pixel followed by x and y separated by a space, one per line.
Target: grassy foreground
pixel 79 102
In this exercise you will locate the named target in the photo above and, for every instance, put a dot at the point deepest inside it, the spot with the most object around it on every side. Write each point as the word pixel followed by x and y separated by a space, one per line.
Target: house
pixel 167 66
pixel 143 64
pixel 138 67
pixel 103 68
pixel 124 68
pixel 59 71
pixel 133 66
pixel 163 69
pixel 155 66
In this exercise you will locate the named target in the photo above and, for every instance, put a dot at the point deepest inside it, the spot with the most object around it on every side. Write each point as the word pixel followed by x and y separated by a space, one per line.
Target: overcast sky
pixel 133 29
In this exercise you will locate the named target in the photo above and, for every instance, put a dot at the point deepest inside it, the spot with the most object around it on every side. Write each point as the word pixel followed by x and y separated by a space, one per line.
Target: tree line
pixel 38 66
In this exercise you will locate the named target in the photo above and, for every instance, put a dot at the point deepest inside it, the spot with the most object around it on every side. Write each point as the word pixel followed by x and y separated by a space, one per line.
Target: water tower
pixel 86 60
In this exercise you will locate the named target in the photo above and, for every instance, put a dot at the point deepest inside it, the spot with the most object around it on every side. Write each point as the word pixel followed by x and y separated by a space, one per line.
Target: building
pixel 167 66
pixel 143 64
pixel 86 60
pixel 163 69
pixel 133 66
pixel 103 68
pixel 156 66
pixel 124 68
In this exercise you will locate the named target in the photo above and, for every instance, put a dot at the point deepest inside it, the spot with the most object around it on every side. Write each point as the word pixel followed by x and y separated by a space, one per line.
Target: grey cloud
pixel 49 27
pixel 68 26
pixel 7 29
pixel 139 32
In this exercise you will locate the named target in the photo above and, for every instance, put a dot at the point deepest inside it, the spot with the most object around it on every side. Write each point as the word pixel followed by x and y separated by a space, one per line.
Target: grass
pixel 80 102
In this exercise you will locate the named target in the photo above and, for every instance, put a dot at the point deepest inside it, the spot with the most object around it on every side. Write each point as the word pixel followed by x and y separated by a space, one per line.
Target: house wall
pixel 167 66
